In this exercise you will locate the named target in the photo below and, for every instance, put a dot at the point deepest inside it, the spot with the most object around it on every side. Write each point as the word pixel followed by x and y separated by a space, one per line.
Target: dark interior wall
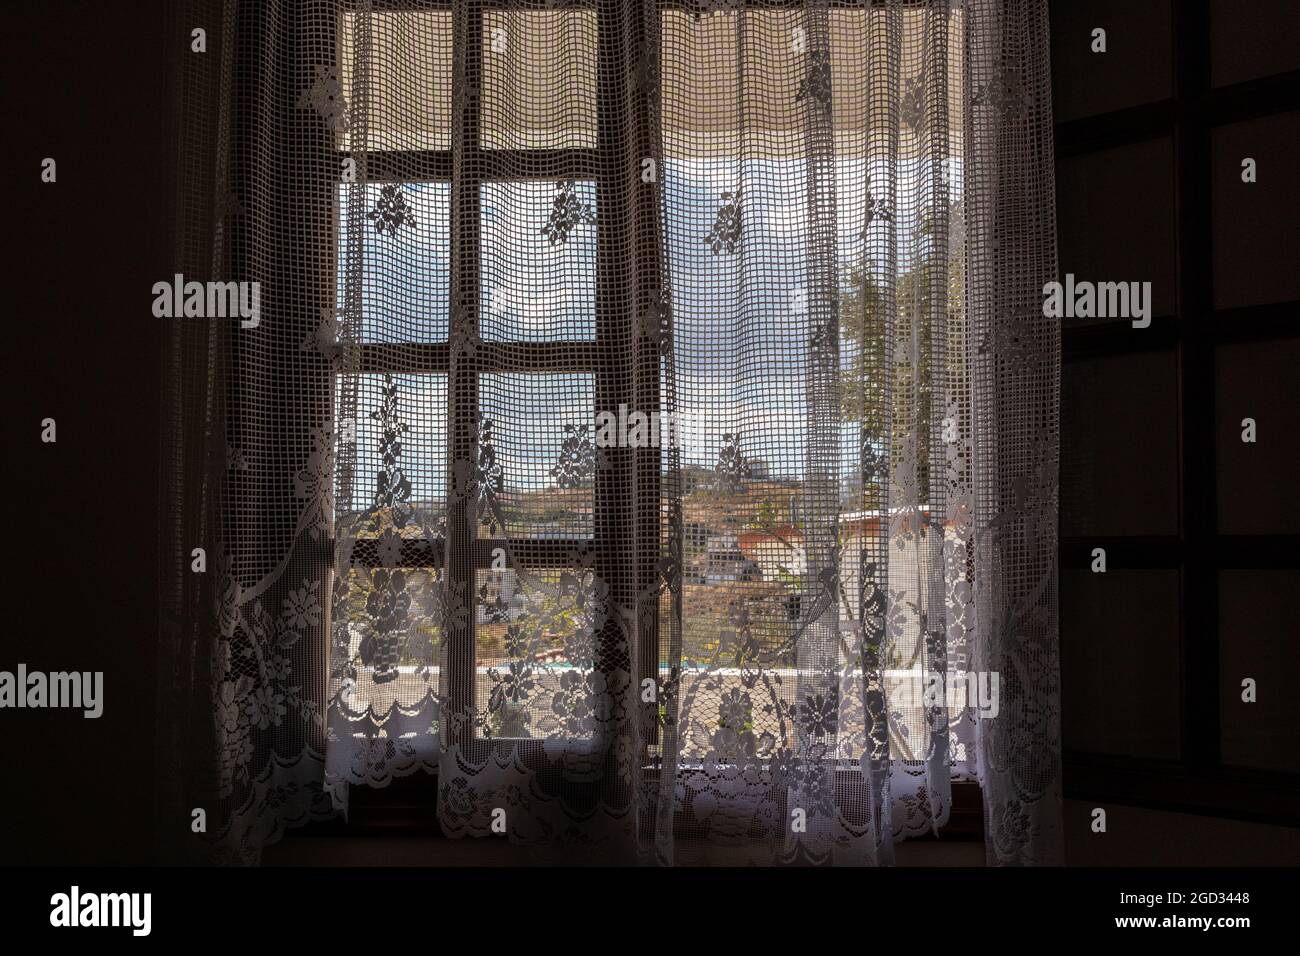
pixel 1200 528
pixel 85 85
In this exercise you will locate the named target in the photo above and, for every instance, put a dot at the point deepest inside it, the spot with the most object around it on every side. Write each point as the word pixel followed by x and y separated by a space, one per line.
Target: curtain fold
pixel 650 429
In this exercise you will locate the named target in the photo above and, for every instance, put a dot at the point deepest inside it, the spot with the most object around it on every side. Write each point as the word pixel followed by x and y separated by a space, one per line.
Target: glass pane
pixel 421 406
pixel 1115 211
pixel 706 109
pixel 410 667
pixel 535 633
pixel 763 449
pixel 403 262
pixel 538 247
pixel 536 437
pixel 1136 67
pixel 1250 40
pixel 1119 464
pixel 1256 480
pixel 1255 223
pixel 1120 623
pixel 1257 639
pixel 539 79
pixel 409 71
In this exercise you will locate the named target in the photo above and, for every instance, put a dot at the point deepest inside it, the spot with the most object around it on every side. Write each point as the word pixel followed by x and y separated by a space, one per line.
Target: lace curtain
pixel 650 426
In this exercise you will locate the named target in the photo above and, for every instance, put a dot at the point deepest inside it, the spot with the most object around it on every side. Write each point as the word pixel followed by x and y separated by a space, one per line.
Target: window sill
pixel 409 807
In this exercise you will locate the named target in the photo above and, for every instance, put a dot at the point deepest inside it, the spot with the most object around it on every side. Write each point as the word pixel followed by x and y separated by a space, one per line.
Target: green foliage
pixel 509 720
pixel 914 384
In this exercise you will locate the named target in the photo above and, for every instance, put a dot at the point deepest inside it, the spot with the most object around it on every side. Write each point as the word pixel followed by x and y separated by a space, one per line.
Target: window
pixel 524 286
pixel 745 334
pixel 547 301
pixel 1198 526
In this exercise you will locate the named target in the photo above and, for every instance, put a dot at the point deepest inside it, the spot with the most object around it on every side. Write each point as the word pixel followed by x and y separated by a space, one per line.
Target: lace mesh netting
pixel 649 400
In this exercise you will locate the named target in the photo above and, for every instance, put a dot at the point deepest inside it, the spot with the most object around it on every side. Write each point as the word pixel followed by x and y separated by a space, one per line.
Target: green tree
pixel 911 376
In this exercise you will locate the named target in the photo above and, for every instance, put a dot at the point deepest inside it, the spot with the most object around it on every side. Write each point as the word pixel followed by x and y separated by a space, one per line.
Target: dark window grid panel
pixel 1133 614
pixel 1262 796
pixel 1198 633
pixel 1136 68
pixel 1236 103
pixel 1252 323
pixel 1252 99
pixel 1256 481
pixel 1254 254
pixel 1257 624
pixel 1245 39
pixel 1248 100
pixel 1230 551
pixel 1189 115
pixel 1119 471
pixel 1096 243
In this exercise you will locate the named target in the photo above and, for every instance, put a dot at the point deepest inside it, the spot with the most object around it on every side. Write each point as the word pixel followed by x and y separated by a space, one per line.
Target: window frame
pixel 1197 781
pixel 620 300
pixel 463 552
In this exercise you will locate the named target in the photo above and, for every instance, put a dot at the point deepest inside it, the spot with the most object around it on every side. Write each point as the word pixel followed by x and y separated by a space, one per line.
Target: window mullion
pixel 462 391
pixel 613 505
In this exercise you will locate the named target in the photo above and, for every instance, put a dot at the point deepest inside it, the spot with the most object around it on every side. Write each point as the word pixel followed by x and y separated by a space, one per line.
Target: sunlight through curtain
pixel 651 428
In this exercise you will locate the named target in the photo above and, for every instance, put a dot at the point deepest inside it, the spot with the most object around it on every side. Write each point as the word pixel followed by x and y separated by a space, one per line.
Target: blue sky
pixel 740 321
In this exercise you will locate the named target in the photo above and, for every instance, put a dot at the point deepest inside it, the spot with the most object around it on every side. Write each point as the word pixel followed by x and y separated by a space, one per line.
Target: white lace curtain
pixel 650 428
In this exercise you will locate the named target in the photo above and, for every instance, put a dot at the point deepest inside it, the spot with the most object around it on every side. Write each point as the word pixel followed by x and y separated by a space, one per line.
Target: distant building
pixel 724 562
pixel 502 600
pixel 780 550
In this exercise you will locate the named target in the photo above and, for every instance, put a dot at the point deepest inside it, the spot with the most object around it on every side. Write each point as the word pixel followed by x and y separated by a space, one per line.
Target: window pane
pixel 1136 67
pixel 404 259
pixel 539 79
pixel 706 109
pixel 1099 245
pixel 535 634
pixel 421 406
pixel 1255 223
pixel 407 58
pixel 418 647
pixel 763 454
pixel 1120 467
pixel 1257 639
pixel 538 429
pixel 538 246
pixel 1256 480
pixel 1121 622
pixel 1250 40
